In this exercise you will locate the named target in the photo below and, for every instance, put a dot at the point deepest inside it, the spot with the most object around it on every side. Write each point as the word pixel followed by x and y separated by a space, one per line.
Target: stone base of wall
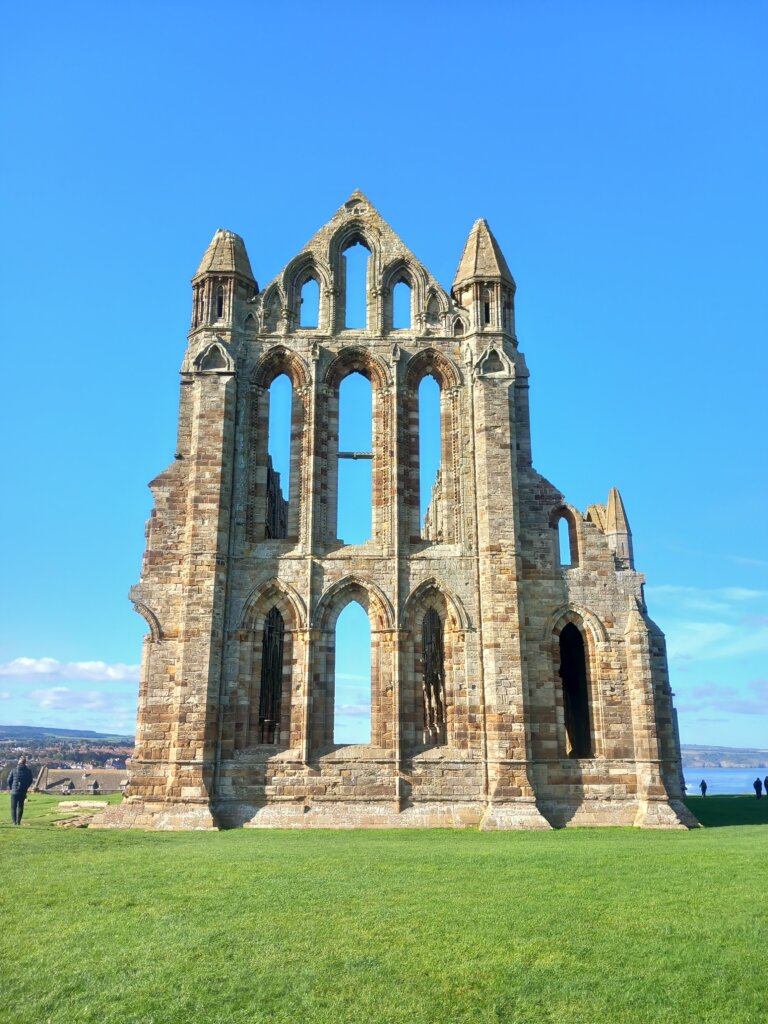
pixel 627 813
pixel 664 814
pixel 519 815
pixel 348 814
pixel 168 817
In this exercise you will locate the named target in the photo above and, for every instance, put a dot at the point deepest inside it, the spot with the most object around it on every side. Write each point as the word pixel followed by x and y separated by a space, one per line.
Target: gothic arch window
pixel 329 704
pixel 575 689
pixel 279 445
pixel 219 302
pixel 355 459
pixel 356 452
pixel 566 538
pixel 271 682
pixel 401 305
pixel 486 306
pixel 431 512
pixel 435 696
pixel 309 304
pixel 275 452
pixel 431 425
pixel 352 676
pixel 433 680
pixel 355 261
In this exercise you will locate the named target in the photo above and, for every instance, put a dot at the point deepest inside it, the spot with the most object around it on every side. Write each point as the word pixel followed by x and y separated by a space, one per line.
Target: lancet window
pixel 271 687
pixel 573 676
pixel 433 679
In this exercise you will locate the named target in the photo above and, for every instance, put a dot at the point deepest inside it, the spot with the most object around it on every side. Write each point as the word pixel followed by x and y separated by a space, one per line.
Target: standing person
pixel 703 787
pixel 758 787
pixel 765 785
pixel 19 781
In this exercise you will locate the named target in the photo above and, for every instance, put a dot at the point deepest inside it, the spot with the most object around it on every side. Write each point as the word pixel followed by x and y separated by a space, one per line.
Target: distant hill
pixel 699 756
pixel 41 734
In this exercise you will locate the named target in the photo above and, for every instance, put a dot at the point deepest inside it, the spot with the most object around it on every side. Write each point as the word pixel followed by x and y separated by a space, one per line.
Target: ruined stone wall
pixel 487 564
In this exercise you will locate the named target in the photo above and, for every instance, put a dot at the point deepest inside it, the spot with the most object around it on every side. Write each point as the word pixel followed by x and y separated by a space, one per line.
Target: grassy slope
pixel 575 926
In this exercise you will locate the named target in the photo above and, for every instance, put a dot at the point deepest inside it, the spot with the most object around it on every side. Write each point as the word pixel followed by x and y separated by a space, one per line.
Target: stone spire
pixel 223 278
pixel 483 282
pixel 617 531
pixel 482 258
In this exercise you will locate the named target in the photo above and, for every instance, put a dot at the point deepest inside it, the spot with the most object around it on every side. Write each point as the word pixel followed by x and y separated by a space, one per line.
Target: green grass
pixel 572 927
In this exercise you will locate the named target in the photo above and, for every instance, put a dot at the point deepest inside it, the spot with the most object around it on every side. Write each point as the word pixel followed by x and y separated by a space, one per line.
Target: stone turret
pixel 483 283
pixel 223 277
pixel 617 531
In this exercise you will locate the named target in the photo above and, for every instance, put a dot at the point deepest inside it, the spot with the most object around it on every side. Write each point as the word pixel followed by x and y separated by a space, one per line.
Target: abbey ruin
pixel 516 678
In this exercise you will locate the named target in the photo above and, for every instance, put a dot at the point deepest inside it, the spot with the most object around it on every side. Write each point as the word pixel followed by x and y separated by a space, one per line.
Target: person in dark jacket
pixel 19 781
pixel 757 785
pixel 703 787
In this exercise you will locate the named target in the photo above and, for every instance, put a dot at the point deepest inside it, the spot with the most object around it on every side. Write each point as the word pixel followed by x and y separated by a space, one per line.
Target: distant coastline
pixel 699 756
pixel 40 733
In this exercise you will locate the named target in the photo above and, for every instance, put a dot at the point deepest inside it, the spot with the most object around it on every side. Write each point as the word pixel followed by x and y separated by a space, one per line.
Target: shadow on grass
pixel 722 811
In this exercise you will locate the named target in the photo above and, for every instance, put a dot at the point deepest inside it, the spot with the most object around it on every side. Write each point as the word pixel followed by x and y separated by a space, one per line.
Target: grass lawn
pixel 612 926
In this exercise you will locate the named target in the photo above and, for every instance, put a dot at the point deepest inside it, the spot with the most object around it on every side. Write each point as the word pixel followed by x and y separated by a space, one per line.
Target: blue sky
pixel 618 151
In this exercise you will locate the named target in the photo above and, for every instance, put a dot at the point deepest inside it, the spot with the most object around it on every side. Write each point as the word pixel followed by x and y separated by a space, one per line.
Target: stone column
pixel 511 796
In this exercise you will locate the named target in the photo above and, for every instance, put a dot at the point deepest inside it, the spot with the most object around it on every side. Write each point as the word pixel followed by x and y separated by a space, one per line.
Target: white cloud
pixel 726 699
pixel 354 710
pixel 5 695
pixel 720 600
pixel 703 641
pixel 60 698
pixel 83 671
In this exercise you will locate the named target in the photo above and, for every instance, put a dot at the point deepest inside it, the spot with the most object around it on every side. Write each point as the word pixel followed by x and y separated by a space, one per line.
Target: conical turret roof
pixel 225 255
pixel 616 516
pixel 482 258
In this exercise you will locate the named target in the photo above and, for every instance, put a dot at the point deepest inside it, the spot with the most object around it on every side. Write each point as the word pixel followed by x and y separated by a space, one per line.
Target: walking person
pixel 757 785
pixel 703 787
pixel 19 781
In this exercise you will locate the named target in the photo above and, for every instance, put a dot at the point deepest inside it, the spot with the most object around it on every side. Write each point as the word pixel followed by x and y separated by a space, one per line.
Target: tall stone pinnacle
pixel 225 255
pixel 482 258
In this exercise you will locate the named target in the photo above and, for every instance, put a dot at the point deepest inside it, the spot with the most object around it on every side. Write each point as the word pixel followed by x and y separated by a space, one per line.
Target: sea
pixel 723 780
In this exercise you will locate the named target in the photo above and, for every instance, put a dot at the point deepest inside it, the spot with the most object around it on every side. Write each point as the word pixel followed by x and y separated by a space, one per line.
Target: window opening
pixel 433 679
pixel 271 688
pixel 279 456
pixel 429 457
pixel 355 460
pixel 486 312
pixel 356 286
pixel 219 302
pixel 352 686
pixel 309 306
pixel 565 549
pixel 573 673
pixel 401 306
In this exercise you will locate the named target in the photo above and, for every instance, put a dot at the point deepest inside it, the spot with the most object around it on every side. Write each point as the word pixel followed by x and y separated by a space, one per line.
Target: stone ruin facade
pixel 513 684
